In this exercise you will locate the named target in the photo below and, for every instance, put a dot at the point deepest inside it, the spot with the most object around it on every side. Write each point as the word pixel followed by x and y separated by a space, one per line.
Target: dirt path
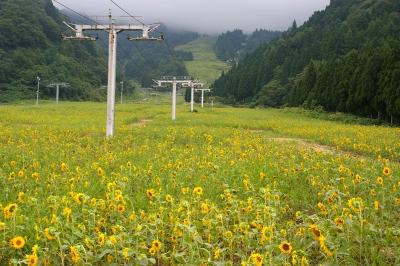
pixel 302 143
pixel 142 123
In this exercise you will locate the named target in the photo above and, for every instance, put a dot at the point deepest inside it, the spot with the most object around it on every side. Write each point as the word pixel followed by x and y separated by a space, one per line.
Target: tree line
pixel 344 58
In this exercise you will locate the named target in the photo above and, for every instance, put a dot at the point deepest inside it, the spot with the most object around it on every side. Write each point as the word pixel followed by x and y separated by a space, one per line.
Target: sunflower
pixel 217 253
pixel 323 209
pixel 80 198
pixel 17 242
pixel 356 204
pixel 304 261
pixel 21 196
pixel 35 176
pixel 315 231
pixel 150 193
pixel 285 247
pixel 100 172
pixel 67 213
pixel 397 201
pixel 75 257
pixel 121 208
pixel 48 235
pixel 21 173
pixel 228 234
pixel 376 205
pixel 9 210
pixel 169 198
pixel 198 191
pixel 119 197
pixel 386 171
pixel 256 259
pixel 185 190
pixel 205 208
pixel 64 167
pixel 126 252
pixel 339 222
pixel 101 239
pixel 156 245
pixel 31 260
pixel 152 252
pixel 113 240
pixel 379 180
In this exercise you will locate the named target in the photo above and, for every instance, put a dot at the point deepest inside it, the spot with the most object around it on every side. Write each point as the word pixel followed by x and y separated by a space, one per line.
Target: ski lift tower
pixel 57 86
pixel 113 31
pixel 202 95
pixel 193 85
pixel 183 81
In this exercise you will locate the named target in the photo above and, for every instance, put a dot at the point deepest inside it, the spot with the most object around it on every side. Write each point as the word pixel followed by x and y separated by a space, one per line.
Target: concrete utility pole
pixel 122 89
pixel 183 81
pixel 113 31
pixel 57 86
pixel 38 90
pixel 202 95
pixel 193 85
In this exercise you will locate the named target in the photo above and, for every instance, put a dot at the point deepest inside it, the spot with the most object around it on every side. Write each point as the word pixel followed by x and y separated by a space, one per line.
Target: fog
pixel 207 16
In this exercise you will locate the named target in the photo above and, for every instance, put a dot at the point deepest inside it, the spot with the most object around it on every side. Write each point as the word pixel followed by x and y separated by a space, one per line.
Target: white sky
pixel 209 16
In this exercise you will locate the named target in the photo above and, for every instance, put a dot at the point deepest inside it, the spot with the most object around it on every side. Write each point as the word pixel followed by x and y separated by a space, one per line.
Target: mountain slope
pixel 30 45
pixel 270 75
pixel 205 65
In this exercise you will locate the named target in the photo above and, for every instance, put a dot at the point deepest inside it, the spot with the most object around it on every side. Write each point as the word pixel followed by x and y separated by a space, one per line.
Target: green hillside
pixel 205 65
pixel 344 59
pixel 30 46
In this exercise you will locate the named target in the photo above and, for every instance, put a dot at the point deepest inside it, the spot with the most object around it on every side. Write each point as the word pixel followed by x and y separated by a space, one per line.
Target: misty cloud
pixel 209 16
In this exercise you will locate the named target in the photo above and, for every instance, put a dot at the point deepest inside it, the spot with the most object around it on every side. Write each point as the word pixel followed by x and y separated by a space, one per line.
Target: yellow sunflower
pixel 386 171
pixel 150 193
pixel 32 260
pixel 256 259
pixel 285 247
pixel 356 204
pixel 156 245
pixel 17 242
pixel 198 191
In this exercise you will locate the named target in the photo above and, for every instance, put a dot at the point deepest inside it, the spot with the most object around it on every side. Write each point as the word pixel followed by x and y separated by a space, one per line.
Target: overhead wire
pixel 79 14
pixel 169 49
pixel 126 12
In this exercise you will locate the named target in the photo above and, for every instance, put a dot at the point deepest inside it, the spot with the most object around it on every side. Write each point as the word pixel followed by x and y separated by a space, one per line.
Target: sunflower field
pixel 218 187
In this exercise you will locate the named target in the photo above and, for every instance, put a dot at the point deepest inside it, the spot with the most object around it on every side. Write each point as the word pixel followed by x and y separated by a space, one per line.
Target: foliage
pixel 347 83
pixel 30 46
pixel 232 46
pixel 229 43
pixel 337 48
pixel 217 187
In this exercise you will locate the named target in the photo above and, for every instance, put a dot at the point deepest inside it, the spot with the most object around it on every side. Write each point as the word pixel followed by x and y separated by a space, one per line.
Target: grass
pixel 205 66
pixel 216 187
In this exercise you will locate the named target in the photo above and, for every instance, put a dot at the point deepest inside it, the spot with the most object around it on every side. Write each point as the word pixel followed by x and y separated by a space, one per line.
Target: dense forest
pixel 232 46
pixel 345 58
pixel 31 46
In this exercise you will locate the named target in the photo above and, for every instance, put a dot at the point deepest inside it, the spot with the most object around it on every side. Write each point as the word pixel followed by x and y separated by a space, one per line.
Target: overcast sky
pixel 209 16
